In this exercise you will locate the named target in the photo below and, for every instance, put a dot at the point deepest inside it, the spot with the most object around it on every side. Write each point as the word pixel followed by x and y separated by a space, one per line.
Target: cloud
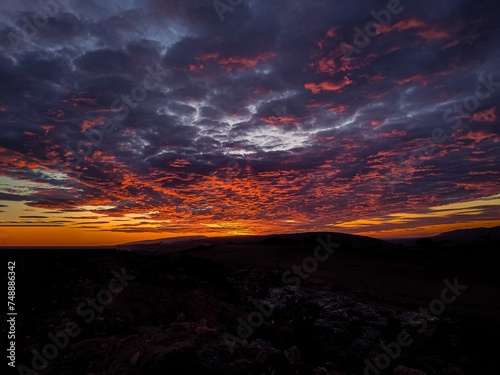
pixel 258 123
pixel 488 115
pixel 316 88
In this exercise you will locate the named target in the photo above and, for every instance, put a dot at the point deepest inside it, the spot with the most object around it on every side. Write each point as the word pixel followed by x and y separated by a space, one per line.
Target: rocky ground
pixel 181 314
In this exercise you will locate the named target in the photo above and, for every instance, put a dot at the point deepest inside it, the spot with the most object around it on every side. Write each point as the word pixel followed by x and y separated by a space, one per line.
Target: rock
pixel 239 366
pixel 262 357
pixel 320 371
pixel 210 359
pixel 134 358
pixel 453 370
pixel 401 370
pixel 181 317
pixel 205 331
pixel 264 351
pixel 293 356
pixel 260 344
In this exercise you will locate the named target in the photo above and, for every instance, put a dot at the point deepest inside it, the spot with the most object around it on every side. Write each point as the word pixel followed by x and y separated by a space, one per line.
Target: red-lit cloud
pixel 316 88
pixel 488 115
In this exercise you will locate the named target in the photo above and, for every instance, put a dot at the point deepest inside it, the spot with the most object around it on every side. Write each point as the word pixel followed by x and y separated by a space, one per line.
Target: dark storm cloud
pixel 12 197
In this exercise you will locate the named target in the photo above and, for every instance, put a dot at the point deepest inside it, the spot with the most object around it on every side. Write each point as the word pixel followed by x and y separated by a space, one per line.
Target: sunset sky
pixel 265 116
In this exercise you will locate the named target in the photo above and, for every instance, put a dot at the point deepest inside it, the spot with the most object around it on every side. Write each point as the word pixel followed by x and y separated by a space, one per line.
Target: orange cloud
pixel 79 102
pixel 196 68
pixel 341 108
pixel 47 128
pixel 229 63
pixel 326 65
pixel 477 136
pixel 416 78
pixel 88 124
pixel 408 24
pixel 180 163
pixel 275 120
pixel 426 32
pixel 314 104
pixel 433 34
pixel 378 77
pixel 411 23
pixel 486 116
pixel 334 63
pixel 332 32
pixel 259 91
pixel 316 88
pixel 393 133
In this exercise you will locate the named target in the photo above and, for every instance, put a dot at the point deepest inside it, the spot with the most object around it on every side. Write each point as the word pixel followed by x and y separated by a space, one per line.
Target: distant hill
pixel 307 239
pixel 464 236
pixel 165 241
pixel 310 238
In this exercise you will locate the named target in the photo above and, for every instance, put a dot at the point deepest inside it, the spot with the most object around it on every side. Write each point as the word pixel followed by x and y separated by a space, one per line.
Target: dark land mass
pixel 173 306
pixel 469 235
pixel 460 237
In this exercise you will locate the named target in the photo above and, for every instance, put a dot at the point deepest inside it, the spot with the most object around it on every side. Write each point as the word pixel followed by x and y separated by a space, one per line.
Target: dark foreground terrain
pixel 149 310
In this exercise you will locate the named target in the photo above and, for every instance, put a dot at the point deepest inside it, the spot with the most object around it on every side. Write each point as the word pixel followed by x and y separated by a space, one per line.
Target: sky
pixel 133 120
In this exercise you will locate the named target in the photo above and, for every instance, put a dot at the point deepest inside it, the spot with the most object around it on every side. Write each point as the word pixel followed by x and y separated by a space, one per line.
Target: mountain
pixel 307 239
pixel 464 236
pixel 165 241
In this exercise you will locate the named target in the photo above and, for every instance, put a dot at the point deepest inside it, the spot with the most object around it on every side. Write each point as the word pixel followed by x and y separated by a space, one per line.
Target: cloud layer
pixel 257 123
